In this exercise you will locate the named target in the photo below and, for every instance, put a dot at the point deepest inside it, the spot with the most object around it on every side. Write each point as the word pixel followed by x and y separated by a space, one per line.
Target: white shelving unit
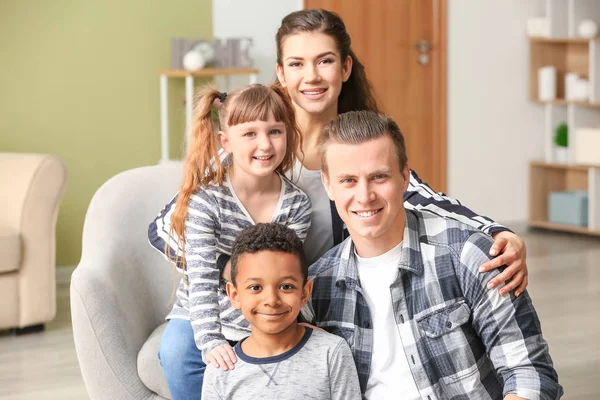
pixel 189 98
pixel 567 52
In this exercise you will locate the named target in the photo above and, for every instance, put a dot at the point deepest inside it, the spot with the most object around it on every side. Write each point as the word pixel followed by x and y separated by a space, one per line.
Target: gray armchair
pixel 122 289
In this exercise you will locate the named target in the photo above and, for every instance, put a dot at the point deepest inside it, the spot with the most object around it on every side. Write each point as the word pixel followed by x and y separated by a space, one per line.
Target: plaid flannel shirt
pixel 462 340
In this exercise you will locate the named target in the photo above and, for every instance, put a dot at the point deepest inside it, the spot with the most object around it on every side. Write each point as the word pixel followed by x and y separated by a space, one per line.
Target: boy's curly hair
pixel 268 237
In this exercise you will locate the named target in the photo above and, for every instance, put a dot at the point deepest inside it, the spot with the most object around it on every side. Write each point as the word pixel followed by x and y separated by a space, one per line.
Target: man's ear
pixel 233 295
pixel 406 176
pixel 307 291
pixel 224 140
pixel 327 184
pixel 347 69
pixel 280 75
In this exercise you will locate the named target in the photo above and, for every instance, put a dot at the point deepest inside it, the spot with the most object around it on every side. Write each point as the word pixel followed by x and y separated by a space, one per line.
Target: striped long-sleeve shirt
pixel 215 218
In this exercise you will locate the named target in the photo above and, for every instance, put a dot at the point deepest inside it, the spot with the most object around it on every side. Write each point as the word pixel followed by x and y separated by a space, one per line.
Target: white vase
pixel 561 154
pixel 587 29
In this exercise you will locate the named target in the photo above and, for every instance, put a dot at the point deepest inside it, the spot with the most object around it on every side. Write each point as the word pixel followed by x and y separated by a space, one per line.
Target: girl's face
pixel 257 147
pixel 313 71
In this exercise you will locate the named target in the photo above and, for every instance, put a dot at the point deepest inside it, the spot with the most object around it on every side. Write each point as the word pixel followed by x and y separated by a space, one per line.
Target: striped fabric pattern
pixel 215 218
pixel 462 340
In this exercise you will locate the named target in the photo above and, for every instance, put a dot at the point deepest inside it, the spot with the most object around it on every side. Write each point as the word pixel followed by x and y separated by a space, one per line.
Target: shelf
pixel 564 228
pixel 562 102
pixel 566 55
pixel 563 166
pixel 545 178
pixel 206 72
pixel 559 40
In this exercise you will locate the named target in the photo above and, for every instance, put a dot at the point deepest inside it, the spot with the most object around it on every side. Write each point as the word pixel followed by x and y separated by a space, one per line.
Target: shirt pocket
pixel 451 343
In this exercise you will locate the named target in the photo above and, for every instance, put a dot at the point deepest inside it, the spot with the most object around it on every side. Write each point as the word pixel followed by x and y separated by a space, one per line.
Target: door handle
pixel 423 47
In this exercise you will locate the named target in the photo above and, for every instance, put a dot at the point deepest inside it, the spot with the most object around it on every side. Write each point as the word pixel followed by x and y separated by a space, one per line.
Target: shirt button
pixel 448 324
pixel 401 318
pixel 367 325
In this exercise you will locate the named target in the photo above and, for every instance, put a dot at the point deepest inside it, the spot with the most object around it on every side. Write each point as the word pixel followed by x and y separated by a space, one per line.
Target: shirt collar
pixel 410 260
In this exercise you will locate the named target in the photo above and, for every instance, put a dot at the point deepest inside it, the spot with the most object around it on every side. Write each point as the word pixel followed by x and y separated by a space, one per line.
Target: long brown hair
pixel 203 166
pixel 357 92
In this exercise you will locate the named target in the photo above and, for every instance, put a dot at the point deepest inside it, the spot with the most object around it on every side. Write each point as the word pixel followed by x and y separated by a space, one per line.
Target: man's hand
pixel 513 397
pixel 222 357
pixel 512 253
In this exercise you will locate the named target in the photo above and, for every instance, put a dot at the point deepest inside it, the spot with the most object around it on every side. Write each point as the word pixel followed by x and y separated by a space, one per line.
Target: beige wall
pixel 79 78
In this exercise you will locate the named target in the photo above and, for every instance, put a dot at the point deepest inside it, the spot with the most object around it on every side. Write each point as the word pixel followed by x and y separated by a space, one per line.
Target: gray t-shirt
pixel 319 367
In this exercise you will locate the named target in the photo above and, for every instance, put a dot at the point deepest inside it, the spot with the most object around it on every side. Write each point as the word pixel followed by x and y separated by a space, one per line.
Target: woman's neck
pixel 312 126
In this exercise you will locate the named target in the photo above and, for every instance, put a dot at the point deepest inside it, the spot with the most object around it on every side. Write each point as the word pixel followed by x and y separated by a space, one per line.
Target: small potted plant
pixel 561 143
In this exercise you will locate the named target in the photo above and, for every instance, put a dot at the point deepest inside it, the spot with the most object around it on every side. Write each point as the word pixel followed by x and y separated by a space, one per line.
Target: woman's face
pixel 313 71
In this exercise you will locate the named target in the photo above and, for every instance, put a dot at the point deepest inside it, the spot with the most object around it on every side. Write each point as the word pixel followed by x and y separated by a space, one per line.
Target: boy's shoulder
pixel 325 340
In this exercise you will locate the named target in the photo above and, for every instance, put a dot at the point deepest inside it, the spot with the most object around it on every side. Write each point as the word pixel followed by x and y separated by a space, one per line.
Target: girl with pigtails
pixel 217 200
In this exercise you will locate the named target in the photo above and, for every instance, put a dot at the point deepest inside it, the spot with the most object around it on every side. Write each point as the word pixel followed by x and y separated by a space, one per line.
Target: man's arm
pixel 508 327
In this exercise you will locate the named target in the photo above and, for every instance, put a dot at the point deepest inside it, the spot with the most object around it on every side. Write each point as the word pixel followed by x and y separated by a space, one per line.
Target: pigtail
pixel 202 164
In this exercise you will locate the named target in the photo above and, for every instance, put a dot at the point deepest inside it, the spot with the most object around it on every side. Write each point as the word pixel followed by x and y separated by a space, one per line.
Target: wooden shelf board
pixel 576 167
pixel 562 102
pixel 181 73
pixel 559 40
pixel 564 228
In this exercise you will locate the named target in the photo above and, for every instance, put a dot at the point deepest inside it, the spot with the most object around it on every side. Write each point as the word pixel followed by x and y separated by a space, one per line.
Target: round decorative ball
pixel 193 61
pixel 587 29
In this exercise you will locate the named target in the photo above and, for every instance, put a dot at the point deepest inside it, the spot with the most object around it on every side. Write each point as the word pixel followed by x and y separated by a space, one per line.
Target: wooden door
pixel 385 36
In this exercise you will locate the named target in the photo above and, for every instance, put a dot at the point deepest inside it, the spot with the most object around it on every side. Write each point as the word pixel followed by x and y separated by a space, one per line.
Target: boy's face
pixel 269 290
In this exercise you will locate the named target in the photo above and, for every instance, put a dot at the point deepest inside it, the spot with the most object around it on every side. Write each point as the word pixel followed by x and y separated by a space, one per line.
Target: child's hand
pixel 222 357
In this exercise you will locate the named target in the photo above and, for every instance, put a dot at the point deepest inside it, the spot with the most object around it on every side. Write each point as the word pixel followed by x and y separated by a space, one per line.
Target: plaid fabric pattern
pixel 462 341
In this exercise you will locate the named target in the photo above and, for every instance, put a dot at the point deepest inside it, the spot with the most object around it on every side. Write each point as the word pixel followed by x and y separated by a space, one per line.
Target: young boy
pixel 280 359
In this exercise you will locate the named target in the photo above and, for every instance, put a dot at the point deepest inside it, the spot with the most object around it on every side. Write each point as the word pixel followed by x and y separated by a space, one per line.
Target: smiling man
pixel 405 291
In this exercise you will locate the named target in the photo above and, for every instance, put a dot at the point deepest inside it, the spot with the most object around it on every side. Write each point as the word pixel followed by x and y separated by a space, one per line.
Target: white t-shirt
pixel 319 238
pixel 390 376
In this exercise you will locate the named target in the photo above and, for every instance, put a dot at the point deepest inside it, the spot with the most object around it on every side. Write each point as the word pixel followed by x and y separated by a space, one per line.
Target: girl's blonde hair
pixel 202 164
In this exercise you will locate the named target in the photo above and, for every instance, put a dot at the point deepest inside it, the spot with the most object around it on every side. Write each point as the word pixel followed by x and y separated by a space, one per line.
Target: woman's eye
pixel 275 131
pixel 294 64
pixel 326 61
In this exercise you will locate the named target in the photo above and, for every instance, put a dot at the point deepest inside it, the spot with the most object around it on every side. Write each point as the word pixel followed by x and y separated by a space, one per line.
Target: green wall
pixel 79 79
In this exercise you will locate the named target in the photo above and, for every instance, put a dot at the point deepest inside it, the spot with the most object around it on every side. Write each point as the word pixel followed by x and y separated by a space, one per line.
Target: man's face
pixel 367 185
